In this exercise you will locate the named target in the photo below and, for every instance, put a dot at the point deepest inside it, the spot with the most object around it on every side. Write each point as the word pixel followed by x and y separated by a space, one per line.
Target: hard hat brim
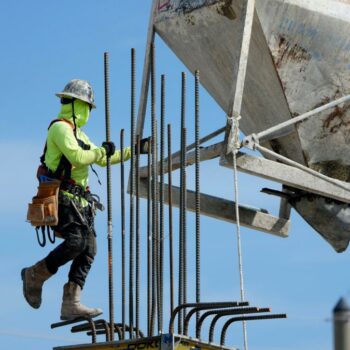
pixel 70 94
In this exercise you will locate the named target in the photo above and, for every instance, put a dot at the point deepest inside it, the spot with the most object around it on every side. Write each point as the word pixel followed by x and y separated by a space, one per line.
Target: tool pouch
pixel 43 211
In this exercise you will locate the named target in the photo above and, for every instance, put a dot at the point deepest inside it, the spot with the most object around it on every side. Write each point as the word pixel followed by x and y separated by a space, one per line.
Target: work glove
pixel 109 147
pixel 145 144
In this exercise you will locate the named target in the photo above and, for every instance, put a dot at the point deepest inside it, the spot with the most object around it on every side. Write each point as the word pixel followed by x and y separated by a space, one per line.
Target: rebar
pixel 102 324
pixel 209 313
pixel 154 189
pixel 227 313
pixel 118 331
pixel 87 326
pixel 197 189
pixel 118 325
pixel 184 223
pixel 170 203
pixel 107 330
pixel 132 187
pixel 109 197
pixel 202 140
pixel 122 199
pixel 93 329
pixel 223 304
pixel 149 242
pixel 161 201
pixel 137 188
pixel 213 312
pixel 246 318
pixel 182 211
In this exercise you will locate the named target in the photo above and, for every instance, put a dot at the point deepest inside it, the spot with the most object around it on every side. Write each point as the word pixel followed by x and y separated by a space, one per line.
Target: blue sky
pixel 44 45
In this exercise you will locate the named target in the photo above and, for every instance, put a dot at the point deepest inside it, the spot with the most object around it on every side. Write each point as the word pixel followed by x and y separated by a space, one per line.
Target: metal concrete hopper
pixel 299 59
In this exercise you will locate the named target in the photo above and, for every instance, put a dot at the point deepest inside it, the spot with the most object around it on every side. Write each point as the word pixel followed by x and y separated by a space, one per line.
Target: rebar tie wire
pixel 236 144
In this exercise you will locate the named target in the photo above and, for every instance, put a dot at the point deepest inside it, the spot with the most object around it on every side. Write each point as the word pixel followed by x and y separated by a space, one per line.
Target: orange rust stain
pixel 335 119
pixel 290 52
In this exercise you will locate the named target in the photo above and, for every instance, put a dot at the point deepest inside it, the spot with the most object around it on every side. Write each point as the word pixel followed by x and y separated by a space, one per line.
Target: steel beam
pixel 206 153
pixel 288 175
pixel 146 72
pixel 224 209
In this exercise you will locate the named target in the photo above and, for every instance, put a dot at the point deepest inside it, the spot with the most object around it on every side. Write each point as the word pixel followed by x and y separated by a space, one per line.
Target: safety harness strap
pixel 64 167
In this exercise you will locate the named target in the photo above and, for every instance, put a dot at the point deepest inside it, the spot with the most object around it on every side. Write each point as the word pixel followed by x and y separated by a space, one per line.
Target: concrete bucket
pixel 299 59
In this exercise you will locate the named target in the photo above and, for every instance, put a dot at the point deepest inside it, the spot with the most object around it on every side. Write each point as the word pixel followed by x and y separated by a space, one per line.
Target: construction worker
pixel 67 156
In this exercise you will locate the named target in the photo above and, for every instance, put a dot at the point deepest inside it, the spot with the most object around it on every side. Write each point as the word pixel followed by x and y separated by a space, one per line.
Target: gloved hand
pixel 145 144
pixel 109 147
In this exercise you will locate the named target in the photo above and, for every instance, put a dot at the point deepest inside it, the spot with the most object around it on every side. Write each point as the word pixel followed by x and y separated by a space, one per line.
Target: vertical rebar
pixel 181 217
pixel 161 198
pixel 184 193
pixel 154 187
pixel 132 186
pixel 184 223
pixel 197 190
pixel 122 199
pixel 137 188
pixel 109 199
pixel 170 200
pixel 149 241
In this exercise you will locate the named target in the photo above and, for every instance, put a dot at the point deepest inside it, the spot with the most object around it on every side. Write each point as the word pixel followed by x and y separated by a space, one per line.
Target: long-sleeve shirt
pixel 61 141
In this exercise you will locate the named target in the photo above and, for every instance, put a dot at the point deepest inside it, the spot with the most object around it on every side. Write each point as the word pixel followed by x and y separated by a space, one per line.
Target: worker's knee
pixel 91 246
pixel 75 243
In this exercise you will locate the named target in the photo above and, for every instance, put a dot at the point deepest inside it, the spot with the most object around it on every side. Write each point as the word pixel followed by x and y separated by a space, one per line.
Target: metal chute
pixel 298 60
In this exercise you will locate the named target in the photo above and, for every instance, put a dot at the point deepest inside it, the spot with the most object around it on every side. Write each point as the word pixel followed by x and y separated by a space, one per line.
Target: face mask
pixel 81 111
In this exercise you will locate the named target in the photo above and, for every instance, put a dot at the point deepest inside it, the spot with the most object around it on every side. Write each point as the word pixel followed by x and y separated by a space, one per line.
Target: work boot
pixel 71 307
pixel 33 279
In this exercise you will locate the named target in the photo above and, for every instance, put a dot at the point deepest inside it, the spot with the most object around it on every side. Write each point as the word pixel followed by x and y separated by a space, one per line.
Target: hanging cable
pixel 236 146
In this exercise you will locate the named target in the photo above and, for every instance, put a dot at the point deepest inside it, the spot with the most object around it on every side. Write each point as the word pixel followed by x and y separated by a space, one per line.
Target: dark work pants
pixel 79 243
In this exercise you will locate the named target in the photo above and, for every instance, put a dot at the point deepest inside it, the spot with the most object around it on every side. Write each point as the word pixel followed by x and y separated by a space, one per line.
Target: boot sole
pixel 79 317
pixel 23 275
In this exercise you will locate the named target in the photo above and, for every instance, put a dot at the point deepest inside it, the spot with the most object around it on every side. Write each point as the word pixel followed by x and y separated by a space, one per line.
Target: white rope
pixel 236 146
